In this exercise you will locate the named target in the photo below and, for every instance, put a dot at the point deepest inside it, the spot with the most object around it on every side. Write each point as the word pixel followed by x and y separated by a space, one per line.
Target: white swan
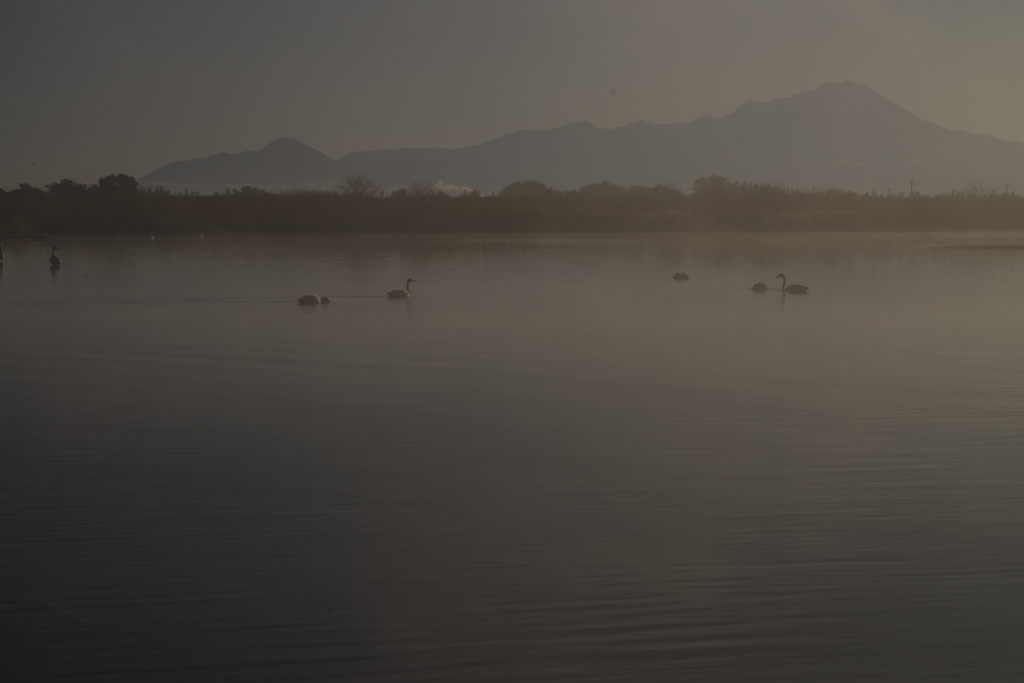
pixel 401 293
pixel 309 300
pixel 54 259
pixel 792 289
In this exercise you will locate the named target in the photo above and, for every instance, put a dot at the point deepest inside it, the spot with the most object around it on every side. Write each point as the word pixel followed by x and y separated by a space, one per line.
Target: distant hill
pixel 840 134
pixel 283 162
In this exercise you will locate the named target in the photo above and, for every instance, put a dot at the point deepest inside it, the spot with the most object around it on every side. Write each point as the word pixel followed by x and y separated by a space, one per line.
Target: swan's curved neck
pixel 783 283
pixel 408 285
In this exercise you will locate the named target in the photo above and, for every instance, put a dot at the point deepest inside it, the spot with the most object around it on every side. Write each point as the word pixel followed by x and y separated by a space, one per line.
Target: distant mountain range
pixel 840 134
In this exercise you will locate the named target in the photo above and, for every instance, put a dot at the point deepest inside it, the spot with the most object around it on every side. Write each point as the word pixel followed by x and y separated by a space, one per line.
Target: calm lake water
pixel 554 463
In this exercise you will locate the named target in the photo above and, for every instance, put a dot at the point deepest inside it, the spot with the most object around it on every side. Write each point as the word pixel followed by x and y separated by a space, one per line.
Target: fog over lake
pixel 553 463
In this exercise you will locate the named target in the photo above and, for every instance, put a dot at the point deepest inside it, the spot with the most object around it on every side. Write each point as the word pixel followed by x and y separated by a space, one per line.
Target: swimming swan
pixel 792 289
pixel 680 276
pixel 401 293
pixel 309 300
pixel 54 259
pixel 759 287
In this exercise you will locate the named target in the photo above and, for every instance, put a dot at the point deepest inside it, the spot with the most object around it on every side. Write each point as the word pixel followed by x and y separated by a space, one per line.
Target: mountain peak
pixel 282 162
pixel 845 90
pixel 292 149
pixel 281 144
pixel 845 86
pixel 838 104
pixel 577 126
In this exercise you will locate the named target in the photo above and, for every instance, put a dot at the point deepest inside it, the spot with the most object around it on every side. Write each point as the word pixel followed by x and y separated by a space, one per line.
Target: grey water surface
pixel 553 463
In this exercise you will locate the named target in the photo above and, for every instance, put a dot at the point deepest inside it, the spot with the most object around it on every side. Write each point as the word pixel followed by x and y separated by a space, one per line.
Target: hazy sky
pixel 94 88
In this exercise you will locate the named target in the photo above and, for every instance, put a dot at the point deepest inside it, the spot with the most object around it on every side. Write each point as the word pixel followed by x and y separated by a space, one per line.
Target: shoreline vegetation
pixel 116 204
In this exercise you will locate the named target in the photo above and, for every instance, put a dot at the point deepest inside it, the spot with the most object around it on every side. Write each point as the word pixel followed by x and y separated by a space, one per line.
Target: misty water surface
pixel 554 463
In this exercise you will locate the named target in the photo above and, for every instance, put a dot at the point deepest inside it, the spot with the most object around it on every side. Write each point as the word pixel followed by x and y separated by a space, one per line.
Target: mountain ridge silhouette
pixel 840 134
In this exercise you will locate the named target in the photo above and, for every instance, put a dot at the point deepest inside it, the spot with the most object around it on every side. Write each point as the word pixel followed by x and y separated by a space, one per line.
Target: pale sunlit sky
pixel 101 87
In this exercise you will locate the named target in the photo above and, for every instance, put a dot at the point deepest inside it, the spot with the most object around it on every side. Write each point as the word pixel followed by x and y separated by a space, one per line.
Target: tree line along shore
pixel 116 204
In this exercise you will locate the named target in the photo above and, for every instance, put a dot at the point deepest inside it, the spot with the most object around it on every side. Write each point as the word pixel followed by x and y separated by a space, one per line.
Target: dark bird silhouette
pixel 759 287
pixel 401 293
pixel 680 276
pixel 54 259
pixel 792 289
